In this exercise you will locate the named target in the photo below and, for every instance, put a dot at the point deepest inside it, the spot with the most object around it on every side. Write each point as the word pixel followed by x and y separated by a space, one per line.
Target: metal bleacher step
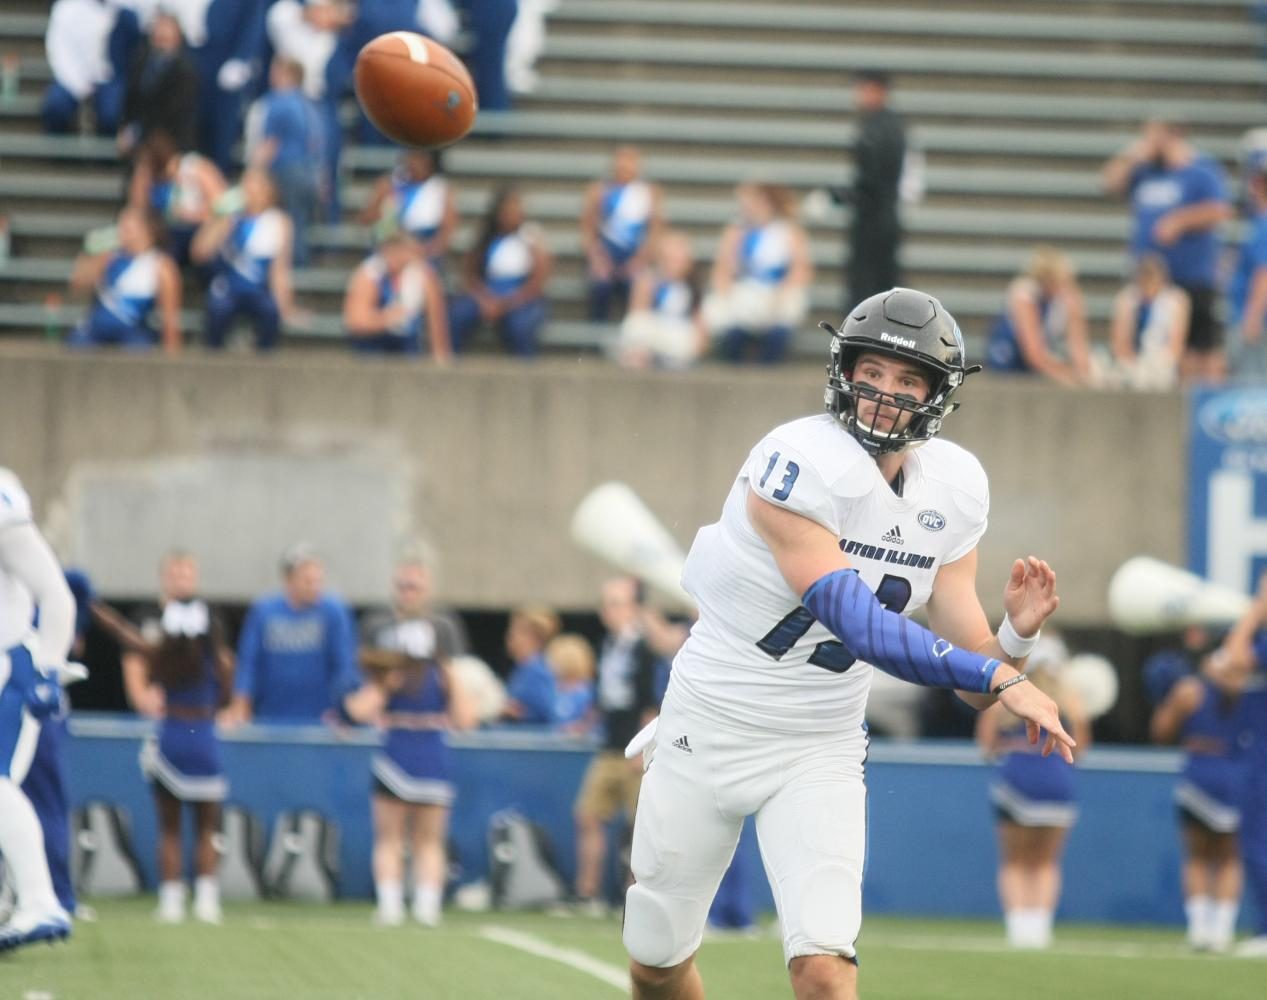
pixel 1013 26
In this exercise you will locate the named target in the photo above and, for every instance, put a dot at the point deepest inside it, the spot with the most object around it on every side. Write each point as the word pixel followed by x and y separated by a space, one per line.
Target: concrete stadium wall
pixel 488 460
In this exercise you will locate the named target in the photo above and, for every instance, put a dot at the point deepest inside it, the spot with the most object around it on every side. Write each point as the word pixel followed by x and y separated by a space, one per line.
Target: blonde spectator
pixel 571 660
pixel 390 297
pixel 1150 326
pixel 760 284
pixel 664 328
pixel 1043 328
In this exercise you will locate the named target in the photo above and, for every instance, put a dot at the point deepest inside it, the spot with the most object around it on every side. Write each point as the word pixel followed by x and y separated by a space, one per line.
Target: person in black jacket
pixel 627 699
pixel 161 90
pixel 879 151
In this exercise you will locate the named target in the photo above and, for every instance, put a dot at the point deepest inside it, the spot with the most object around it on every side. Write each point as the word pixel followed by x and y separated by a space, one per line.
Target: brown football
pixel 415 90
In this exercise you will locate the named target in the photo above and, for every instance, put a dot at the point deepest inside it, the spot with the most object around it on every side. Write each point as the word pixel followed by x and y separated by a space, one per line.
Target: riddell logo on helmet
pixel 900 341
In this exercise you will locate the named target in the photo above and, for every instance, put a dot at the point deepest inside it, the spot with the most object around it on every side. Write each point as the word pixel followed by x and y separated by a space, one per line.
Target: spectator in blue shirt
pixel 1247 295
pixel 291 148
pixel 531 687
pixel 571 659
pixel 297 650
pixel 1179 200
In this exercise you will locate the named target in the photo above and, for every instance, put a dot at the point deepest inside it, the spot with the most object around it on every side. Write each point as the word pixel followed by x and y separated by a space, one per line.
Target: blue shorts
pixel 1032 790
pixel 19 730
pixel 185 760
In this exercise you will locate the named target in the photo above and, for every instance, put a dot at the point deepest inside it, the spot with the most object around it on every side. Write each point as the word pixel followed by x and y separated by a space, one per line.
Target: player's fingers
pixel 1018 573
pixel 1031 731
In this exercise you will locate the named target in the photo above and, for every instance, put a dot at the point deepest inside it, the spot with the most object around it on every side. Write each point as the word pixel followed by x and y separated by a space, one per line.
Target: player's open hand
pixel 1040 713
pixel 1030 595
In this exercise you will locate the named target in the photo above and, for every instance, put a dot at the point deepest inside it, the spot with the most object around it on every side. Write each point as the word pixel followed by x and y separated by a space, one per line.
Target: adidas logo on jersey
pixel 682 744
pixel 893 536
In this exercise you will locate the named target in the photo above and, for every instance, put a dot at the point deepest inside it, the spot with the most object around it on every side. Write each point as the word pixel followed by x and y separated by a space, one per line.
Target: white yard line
pixel 570 957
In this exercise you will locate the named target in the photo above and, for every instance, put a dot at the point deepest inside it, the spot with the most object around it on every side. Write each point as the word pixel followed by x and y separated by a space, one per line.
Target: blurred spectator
pixel 129 277
pixel 290 149
pixel 530 687
pixel 1034 802
pixel 571 659
pixel 248 238
pixel 505 276
pixel 297 649
pixel 879 153
pixel 525 44
pixel 87 44
pixel 664 328
pixel 1150 323
pixel 619 219
pixel 182 673
pixel 225 39
pixel 490 23
pixel 415 700
pixel 412 619
pixel 1166 667
pixel 309 34
pixel 761 275
pixel 358 24
pixel 1247 295
pixel 626 701
pixel 417 198
pixel 1043 327
pixel 161 89
pixel 1204 713
pixel 1179 201
pixel 179 188
pixel 389 298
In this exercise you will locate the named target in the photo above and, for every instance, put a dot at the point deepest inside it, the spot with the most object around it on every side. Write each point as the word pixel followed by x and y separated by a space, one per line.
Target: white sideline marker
pixel 578 960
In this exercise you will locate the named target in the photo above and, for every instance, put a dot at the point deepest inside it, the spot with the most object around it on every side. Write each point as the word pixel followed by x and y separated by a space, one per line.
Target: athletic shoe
pixel 30 928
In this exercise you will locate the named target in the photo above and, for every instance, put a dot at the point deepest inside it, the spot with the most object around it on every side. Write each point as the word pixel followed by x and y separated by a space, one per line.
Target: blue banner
pixel 1227 486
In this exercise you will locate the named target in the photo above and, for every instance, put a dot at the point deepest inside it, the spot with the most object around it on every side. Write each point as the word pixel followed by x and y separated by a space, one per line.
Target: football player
pixel 836 525
pixel 31 661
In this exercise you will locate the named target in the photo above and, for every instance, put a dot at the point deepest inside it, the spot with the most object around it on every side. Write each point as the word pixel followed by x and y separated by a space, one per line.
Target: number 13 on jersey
pixel 790 471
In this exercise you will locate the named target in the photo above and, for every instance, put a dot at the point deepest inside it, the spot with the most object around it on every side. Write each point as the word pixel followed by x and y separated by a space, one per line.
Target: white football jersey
pixel 756 657
pixel 17 607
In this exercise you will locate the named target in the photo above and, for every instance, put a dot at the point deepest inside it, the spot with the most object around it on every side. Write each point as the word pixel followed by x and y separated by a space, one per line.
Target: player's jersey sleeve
pixel 15 505
pixel 787 477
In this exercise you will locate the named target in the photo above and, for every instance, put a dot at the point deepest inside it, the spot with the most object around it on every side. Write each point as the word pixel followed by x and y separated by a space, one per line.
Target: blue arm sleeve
pixel 896 645
pixel 248 654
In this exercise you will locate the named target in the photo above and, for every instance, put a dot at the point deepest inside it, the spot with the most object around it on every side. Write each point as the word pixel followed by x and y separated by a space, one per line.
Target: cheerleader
pixel 1034 801
pixel 414 697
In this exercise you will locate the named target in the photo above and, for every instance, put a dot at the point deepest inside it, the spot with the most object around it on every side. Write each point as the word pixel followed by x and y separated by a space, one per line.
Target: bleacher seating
pixel 1016 109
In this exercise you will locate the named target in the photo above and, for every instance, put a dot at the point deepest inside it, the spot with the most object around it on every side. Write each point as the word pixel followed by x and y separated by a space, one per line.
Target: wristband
pixel 1009 683
pixel 1016 646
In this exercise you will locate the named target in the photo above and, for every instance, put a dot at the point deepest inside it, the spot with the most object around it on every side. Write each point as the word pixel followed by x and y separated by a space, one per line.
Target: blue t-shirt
pixel 296 663
pixel 289 120
pixel 1155 191
pixel 1253 255
pixel 573 704
pixel 532 685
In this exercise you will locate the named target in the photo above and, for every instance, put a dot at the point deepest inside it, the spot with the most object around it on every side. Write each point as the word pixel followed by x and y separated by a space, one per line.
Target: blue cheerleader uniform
pixel 185 758
pixel 1030 789
pixel 1215 771
pixel 415 765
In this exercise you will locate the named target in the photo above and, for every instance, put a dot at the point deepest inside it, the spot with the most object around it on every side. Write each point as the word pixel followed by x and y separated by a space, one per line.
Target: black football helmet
pixel 912 326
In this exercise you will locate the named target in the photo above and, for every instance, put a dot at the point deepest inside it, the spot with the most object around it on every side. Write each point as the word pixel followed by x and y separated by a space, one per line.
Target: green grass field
pixel 334 953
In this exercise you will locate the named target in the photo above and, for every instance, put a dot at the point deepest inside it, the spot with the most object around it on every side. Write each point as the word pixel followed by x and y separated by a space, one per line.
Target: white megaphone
pixel 1147 595
pixel 613 523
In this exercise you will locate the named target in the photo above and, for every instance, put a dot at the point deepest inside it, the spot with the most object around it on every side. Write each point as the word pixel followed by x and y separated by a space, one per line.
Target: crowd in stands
pixel 179 83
